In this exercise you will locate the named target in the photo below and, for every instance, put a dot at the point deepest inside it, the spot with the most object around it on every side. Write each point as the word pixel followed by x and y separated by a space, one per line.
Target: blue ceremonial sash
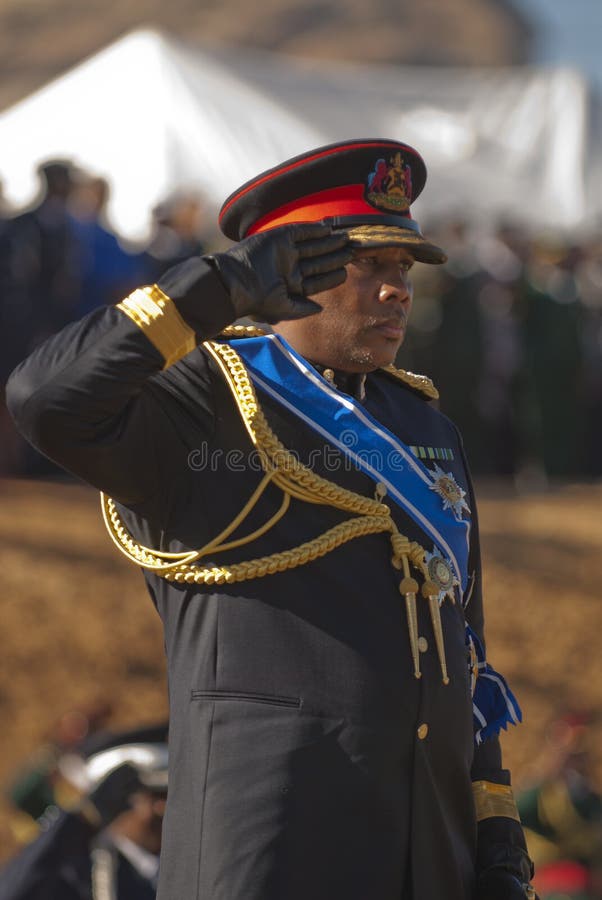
pixel 279 371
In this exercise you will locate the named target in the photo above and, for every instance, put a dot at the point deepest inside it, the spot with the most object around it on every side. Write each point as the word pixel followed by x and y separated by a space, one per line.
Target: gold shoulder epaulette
pixel 242 331
pixel 418 382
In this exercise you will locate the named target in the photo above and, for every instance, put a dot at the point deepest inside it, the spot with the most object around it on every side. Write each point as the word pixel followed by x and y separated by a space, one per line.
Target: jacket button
pixel 423 730
pixel 423 644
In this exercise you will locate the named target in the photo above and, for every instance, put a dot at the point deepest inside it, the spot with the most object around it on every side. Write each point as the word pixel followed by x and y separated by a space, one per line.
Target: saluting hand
pixel 111 796
pixel 269 276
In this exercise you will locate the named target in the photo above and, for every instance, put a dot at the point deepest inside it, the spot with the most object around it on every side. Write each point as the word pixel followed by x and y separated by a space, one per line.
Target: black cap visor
pixel 390 231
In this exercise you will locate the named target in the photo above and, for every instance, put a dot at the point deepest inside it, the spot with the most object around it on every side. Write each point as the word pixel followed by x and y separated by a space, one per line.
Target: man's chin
pixel 382 352
pixel 368 359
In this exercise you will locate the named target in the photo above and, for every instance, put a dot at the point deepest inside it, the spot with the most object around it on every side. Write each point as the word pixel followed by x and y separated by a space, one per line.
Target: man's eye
pixel 372 263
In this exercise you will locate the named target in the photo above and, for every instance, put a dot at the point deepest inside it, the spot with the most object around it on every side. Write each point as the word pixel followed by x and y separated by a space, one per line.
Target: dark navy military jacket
pixel 306 761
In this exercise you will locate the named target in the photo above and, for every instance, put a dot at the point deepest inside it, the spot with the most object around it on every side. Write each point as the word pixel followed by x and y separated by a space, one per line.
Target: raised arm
pixel 92 397
pixel 87 398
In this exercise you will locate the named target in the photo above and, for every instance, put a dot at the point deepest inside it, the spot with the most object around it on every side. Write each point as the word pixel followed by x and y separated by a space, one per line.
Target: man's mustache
pixel 399 321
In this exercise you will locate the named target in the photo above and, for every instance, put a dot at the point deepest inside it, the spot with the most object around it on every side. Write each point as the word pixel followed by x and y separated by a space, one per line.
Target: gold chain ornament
pixel 283 469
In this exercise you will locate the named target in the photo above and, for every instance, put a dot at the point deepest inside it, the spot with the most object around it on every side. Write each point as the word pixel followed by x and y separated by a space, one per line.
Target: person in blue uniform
pixel 307 528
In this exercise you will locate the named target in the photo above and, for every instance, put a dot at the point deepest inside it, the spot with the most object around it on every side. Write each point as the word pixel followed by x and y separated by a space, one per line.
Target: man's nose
pixel 396 285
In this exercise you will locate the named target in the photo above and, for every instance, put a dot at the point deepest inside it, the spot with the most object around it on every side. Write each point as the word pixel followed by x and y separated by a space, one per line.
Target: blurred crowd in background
pixel 510 329
pixel 60 259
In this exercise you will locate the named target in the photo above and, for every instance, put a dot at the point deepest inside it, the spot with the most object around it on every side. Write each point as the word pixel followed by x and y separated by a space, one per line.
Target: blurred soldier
pixel 554 359
pixel 107 271
pixel 107 847
pixel 562 814
pixel 589 288
pixel 39 784
pixel 308 530
pixel 39 289
pixel 459 342
pixel 178 223
pixel 43 258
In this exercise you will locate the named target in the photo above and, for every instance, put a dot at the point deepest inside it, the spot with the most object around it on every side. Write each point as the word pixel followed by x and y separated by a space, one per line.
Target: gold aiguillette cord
pixel 409 588
pixel 431 592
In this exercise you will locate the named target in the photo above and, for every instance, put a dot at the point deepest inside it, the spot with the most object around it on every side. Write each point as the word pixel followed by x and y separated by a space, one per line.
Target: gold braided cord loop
pixel 257 568
pixel 181 570
pixel 290 473
pixel 408 550
pixel 284 470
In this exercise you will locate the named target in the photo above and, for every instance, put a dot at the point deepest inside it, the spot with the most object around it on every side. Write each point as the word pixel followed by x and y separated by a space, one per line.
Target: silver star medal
pixel 450 492
pixel 442 574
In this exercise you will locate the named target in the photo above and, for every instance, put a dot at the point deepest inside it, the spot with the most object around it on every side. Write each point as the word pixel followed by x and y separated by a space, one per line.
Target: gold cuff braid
pixel 492 799
pixel 157 316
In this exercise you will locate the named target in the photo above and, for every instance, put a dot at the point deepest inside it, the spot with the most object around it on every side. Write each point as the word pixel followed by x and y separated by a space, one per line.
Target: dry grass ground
pixel 76 623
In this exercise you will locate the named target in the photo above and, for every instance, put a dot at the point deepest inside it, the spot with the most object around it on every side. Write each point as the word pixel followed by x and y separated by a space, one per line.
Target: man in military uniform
pixel 308 533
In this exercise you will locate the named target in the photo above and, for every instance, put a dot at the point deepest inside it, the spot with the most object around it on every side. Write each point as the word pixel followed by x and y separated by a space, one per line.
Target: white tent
pixel 153 116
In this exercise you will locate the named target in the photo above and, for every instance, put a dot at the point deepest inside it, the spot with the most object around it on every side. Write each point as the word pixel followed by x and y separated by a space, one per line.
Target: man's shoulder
pixel 408 397
pixel 22 222
pixel 420 385
pixel 188 374
pixel 190 386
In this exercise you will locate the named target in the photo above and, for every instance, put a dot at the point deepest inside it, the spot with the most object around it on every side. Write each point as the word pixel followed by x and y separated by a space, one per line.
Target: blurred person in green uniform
pixel 562 815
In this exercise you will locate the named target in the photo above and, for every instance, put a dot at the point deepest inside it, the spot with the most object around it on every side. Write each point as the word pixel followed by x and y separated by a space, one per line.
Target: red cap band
pixel 336 202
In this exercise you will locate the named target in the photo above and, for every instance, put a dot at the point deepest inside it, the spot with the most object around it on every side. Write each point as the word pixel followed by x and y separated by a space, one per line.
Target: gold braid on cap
pixel 282 468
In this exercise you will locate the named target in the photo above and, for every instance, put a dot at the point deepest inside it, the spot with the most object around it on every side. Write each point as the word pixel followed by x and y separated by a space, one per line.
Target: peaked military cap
pixel 143 748
pixel 363 186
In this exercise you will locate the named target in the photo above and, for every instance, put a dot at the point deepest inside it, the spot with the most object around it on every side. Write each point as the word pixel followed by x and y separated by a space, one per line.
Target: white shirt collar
pixel 146 863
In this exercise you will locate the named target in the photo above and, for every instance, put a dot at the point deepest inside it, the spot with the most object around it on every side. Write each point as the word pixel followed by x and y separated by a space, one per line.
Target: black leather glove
pixel 111 796
pixel 497 884
pixel 269 276
pixel 504 869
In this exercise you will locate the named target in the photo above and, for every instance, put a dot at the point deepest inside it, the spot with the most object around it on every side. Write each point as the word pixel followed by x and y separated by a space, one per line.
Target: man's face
pixel 142 823
pixel 363 321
